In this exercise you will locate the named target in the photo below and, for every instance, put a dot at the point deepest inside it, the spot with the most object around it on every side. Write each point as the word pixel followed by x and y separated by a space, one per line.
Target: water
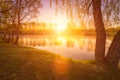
pixel 75 47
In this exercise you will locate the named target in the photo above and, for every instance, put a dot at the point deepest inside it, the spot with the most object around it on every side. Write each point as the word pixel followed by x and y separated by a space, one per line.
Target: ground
pixel 25 63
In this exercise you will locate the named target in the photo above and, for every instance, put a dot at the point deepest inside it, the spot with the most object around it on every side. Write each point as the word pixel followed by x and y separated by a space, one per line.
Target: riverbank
pixel 25 63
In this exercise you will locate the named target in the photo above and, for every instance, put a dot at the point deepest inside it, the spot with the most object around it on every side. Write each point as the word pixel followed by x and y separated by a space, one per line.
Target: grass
pixel 24 63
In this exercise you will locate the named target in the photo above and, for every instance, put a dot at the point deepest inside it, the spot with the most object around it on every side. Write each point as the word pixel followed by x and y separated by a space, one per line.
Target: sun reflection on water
pixel 74 47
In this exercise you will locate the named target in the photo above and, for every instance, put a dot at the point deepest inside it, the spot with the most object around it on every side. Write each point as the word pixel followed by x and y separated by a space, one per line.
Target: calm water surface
pixel 80 48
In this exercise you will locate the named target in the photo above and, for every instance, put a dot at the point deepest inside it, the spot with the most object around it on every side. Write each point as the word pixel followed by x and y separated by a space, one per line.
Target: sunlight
pixel 60 66
pixel 61 23
pixel 61 27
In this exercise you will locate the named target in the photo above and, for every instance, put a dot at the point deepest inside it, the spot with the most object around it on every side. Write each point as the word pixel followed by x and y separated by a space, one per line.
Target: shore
pixel 25 63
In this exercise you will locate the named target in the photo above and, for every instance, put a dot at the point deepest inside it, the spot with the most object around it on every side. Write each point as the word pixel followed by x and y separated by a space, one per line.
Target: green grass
pixel 23 63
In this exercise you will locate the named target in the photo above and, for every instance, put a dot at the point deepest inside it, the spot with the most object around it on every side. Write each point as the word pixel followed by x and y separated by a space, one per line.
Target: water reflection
pixel 72 47
pixel 70 43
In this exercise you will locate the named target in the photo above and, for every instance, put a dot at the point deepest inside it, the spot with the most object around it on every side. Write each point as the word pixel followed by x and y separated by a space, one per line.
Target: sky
pixel 47 14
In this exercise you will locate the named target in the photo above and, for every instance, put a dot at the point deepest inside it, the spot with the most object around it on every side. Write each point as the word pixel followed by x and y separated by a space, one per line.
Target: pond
pixel 74 47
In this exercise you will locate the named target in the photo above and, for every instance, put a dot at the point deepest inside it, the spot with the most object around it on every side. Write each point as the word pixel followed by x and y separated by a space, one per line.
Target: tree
pixel 25 9
pixel 82 7
pixel 5 7
pixel 113 55
pixel 100 31
pixel 20 12
pixel 111 7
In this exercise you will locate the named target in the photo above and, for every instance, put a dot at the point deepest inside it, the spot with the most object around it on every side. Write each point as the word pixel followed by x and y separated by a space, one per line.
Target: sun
pixel 61 24
pixel 61 27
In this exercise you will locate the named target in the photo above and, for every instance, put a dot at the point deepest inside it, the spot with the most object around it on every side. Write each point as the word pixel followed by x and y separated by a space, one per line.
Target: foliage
pixel 99 11
pixel 14 12
pixel 81 11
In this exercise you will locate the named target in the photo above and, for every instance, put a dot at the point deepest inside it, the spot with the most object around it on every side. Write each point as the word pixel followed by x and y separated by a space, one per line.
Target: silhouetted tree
pixel 19 11
pixel 82 8
pixel 100 31
pixel 25 9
